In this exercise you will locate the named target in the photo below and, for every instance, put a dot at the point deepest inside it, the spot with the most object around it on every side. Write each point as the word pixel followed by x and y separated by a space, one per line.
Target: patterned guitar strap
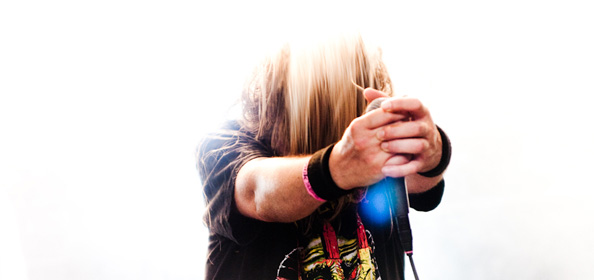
pixel 365 269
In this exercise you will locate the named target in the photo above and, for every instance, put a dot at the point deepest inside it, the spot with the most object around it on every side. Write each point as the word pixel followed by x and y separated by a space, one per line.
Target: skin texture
pixel 397 140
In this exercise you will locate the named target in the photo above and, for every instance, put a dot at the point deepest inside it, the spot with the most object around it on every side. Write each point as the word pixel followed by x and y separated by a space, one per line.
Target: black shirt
pixel 244 248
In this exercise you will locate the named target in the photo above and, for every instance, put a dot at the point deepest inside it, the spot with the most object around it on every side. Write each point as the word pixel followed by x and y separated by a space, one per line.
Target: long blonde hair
pixel 303 98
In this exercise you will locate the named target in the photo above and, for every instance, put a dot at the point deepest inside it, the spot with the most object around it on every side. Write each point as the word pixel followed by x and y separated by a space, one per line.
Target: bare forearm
pixel 272 190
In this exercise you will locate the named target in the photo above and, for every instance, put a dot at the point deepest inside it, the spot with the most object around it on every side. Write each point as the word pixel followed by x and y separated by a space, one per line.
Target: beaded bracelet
pixel 317 178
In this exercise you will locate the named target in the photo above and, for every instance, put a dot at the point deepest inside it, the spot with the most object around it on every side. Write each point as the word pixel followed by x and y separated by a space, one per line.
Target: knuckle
pixel 387 131
pixel 419 146
pixel 422 129
pixel 356 125
pixel 416 102
pixel 359 144
pixel 425 145
pixel 416 129
pixel 393 146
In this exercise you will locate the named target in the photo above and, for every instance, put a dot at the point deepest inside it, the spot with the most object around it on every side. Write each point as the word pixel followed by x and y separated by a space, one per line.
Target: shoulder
pixel 227 149
pixel 225 135
pixel 217 149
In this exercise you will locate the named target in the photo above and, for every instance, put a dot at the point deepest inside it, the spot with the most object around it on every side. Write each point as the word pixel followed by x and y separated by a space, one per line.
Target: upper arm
pixel 219 158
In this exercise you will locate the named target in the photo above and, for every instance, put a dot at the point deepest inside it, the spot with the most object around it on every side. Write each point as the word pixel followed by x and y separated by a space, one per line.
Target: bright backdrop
pixel 102 104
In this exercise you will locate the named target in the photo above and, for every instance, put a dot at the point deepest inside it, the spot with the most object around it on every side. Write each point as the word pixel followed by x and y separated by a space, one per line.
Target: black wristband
pixel 446 155
pixel 320 179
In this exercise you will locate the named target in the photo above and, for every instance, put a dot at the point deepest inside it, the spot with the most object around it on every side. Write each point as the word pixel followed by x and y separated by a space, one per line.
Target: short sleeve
pixel 220 156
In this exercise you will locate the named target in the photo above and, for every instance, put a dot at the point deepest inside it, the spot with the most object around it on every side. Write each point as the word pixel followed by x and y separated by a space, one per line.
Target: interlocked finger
pixel 405 146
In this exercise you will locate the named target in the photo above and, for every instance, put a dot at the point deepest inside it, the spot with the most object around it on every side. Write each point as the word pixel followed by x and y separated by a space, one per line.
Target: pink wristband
pixel 308 187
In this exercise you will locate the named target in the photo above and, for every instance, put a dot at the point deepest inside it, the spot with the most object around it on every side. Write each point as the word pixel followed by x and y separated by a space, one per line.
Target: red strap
pixel 361 234
pixel 331 242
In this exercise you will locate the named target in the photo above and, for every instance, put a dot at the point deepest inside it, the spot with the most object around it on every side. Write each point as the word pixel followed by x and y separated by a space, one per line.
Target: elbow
pixel 270 211
pixel 254 206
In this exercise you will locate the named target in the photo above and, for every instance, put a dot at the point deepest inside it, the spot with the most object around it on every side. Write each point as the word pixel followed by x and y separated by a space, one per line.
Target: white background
pixel 102 105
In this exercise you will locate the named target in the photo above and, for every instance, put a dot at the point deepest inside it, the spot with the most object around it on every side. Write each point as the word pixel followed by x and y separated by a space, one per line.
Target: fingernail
pixel 381 134
pixel 384 146
pixel 387 170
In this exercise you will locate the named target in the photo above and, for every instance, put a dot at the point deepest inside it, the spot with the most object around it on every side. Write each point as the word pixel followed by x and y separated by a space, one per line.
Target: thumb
pixel 371 94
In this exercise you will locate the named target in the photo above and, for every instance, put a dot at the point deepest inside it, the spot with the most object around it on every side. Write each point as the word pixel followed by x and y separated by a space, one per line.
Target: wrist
pixel 317 177
pixel 446 155
pixel 336 169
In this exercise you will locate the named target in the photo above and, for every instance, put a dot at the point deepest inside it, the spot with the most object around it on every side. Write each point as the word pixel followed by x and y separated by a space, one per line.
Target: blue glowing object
pixel 377 205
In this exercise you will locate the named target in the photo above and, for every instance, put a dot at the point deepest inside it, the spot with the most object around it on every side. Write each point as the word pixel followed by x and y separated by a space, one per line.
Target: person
pixel 284 183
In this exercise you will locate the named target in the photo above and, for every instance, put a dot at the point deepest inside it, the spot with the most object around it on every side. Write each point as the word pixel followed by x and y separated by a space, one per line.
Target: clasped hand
pixel 396 140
